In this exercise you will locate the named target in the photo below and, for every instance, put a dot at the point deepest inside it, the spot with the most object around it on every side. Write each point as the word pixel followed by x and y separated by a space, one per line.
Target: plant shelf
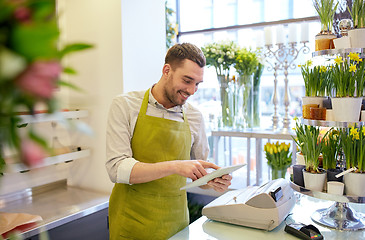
pixel 67 157
pixel 46 117
pixel 331 53
pixel 322 123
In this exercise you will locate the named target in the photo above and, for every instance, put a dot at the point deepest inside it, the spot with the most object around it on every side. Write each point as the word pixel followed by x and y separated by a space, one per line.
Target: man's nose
pixel 192 89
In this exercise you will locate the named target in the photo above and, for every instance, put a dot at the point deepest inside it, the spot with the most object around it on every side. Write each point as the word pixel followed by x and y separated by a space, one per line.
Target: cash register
pixel 262 207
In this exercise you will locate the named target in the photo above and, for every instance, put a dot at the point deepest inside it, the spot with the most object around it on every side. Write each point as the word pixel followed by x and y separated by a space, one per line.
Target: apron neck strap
pixel 144 106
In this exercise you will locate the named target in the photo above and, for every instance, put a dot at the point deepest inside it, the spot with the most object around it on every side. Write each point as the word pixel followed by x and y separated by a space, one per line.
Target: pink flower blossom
pixel 39 79
pixel 31 153
pixel 22 14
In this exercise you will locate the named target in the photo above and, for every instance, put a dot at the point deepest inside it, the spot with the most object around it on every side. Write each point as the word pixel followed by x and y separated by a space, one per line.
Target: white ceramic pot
pixel 346 109
pixel 362 116
pixel 343 42
pixel 354 184
pixel 314 181
pixel 357 37
pixel 300 158
pixel 329 115
pixel 313 100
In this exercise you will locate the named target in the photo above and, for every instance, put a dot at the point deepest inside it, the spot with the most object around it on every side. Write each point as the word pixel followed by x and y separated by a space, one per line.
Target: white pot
pixel 300 158
pixel 343 42
pixel 355 184
pixel 313 100
pixel 357 37
pixel 314 181
pixel 346 109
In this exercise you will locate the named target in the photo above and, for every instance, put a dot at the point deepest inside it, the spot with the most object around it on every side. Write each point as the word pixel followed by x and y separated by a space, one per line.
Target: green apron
pixel 156 209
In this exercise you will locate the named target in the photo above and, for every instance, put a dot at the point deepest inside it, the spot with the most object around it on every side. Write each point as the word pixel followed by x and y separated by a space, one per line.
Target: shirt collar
pixel 153 101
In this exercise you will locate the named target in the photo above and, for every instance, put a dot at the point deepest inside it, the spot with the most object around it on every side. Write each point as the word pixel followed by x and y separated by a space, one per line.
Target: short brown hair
pixel 179 52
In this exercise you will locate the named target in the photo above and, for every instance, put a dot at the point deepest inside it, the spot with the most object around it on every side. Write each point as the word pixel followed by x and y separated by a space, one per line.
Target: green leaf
pixel 69 70
pixel 74 48
pixel 70 85
pixel 38 139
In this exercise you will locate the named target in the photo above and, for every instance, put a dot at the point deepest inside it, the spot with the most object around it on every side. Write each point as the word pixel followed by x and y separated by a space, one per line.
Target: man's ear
pixel 166 69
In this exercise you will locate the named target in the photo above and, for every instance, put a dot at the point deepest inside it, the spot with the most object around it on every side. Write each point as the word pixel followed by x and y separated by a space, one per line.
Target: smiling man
pixel 155 140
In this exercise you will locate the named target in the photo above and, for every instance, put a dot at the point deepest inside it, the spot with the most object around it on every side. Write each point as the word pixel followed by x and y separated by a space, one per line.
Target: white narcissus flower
pixel 220 60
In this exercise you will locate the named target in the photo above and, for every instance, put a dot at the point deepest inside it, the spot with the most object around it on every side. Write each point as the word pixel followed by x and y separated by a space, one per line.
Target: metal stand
pixel 282 59
pixel 339 216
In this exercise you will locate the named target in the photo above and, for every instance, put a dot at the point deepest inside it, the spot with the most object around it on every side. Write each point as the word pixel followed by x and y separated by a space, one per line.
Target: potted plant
pixel 326 10
pixel 245 65
pixel 317 84
pixel 357 34
pixel 330 152
pixel 353 145
pixel 222 56
pixel 278 158
pixel 348 83
pixel 311 146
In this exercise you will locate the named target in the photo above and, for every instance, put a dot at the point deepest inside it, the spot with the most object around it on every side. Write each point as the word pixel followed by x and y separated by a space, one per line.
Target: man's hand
pixel 220 184
pixel 193 169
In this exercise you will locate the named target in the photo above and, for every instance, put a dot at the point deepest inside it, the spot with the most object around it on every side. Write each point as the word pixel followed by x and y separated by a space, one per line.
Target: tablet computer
pixel 216 173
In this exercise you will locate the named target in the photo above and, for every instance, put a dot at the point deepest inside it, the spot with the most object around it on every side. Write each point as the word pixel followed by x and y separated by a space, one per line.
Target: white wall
pixel 143 41
pixel 129 41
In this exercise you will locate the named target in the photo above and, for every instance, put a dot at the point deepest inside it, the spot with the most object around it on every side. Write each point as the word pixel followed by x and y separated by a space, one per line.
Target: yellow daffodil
pixel 356 136
pixel 338 60
pixel 353 131
pixel 353 56
pixel 295 118
pixel 323 69
pixel 352 68
pixel 309 63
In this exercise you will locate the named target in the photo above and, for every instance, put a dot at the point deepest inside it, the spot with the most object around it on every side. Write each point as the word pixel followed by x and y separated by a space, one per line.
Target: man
pixel 151 137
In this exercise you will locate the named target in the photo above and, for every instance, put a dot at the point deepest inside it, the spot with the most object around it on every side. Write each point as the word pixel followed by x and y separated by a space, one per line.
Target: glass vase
pixel 245 82
pixel 277 172
pixel 226 101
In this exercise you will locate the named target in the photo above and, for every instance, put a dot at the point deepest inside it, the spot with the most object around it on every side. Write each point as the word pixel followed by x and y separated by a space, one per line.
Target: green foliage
pixel 330 149
pixel 316 80
pixel 171 29
pixel 246 61
pixel 353 145
pixel 326 10
pixel 357 13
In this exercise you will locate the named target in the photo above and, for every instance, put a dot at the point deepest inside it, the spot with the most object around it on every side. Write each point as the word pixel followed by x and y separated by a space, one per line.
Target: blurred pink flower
pixel 39 79
pixel 32 154
pixel 22 14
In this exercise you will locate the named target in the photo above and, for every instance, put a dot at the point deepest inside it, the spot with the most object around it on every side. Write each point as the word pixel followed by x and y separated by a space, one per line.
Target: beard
pixel 173 95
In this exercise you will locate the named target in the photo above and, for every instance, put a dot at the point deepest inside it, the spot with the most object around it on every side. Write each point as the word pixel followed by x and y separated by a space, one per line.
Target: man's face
pixel 182 82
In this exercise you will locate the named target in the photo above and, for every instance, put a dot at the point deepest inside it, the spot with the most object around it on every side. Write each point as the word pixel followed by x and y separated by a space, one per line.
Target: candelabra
pixel 282 59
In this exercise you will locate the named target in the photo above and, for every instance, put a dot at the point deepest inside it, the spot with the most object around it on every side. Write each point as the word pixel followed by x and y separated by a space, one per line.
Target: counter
pixel 57 204
pixel 204 228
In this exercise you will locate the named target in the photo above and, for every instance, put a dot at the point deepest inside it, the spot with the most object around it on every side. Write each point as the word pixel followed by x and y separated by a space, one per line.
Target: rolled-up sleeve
pixel 119 161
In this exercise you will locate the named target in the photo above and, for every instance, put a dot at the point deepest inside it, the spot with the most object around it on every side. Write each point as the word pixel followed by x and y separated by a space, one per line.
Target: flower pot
pixel 298 175
pixel 314 181
pixel 346 109
pixel 324 41
pixel 313 100
pixel 357 37
pixel 342 43
pixel 300 158
pixel 331 175
pixel 354 184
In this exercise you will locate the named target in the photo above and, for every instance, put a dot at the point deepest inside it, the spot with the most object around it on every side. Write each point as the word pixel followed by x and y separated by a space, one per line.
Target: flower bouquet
pixel 278 158
pixel 246 65
pixel 30 67
pixel 222 56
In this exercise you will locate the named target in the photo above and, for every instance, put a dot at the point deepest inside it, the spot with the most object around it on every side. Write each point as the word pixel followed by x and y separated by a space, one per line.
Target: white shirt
pixel 122 119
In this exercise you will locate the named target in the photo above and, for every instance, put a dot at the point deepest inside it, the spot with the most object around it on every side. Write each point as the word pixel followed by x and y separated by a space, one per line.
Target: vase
pixel 324 40
pixel 357 37
pixel 245 82
pixel 354 184
pixel 298 174
pixel 225 97
pixel 314 181
pixel 346 109
pixel 331 175
pixel 254 108
pixel 278 172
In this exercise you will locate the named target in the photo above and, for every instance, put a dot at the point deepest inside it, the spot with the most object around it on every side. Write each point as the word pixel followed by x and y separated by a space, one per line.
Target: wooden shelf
pixel 21 167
